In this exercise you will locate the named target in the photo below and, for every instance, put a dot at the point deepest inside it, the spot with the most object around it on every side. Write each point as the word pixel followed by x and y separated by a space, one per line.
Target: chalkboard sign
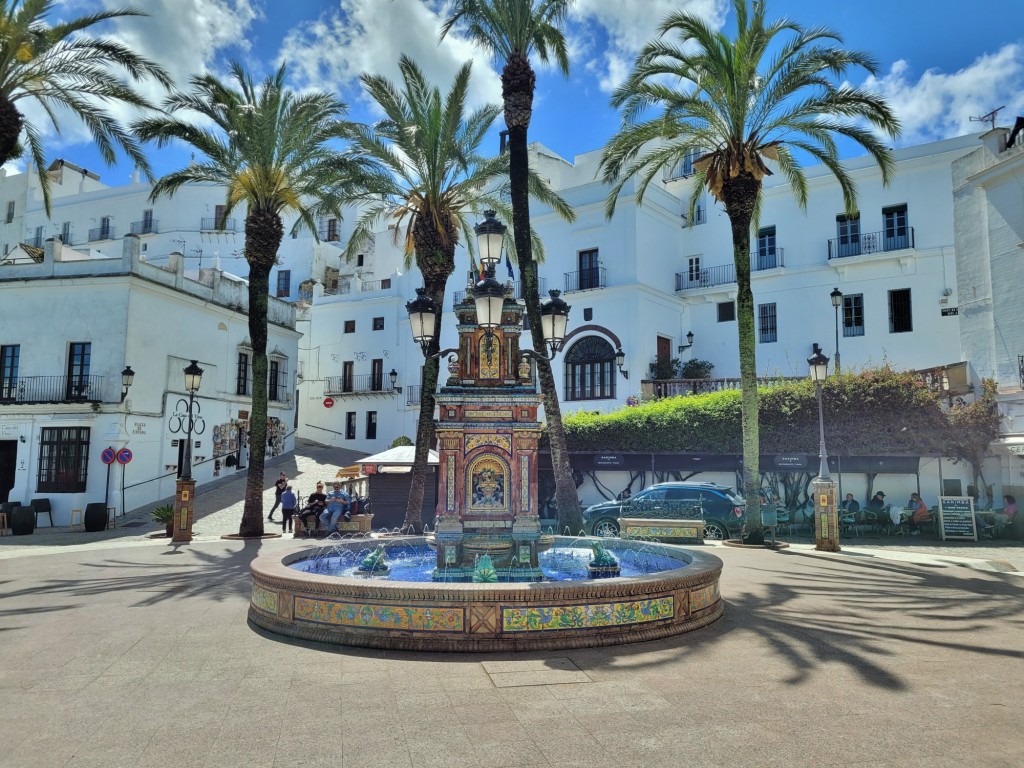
pixel 956 518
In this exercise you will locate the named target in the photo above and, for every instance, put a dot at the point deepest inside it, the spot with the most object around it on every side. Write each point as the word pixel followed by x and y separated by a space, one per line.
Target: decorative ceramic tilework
pixel 406 617
pixel 667 531
pixel 587 616
pixel 524 483
pixel 703 597
pixel 450 481
pixel 264 599
pixel 501 441
pixel 505 413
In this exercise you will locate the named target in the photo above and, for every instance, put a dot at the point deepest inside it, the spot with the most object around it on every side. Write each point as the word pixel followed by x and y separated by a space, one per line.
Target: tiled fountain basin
pixel 485 617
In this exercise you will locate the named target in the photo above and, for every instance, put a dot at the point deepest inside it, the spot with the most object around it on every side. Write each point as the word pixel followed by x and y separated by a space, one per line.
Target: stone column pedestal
pixel 826 517
pixel 184 510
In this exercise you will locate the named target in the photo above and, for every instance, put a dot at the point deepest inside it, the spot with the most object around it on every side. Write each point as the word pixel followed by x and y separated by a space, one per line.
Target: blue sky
pixel 939 62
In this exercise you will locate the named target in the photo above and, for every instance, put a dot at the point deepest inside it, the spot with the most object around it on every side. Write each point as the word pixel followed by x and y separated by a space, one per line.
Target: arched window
pixel 590 370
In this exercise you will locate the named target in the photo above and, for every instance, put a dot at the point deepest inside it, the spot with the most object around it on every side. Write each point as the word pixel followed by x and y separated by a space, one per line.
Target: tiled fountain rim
pixel 506 616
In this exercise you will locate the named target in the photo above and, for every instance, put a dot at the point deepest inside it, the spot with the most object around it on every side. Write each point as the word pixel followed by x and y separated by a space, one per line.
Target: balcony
pixel 586 279
pixel 26 390
pixel 517 291
pixel 215 224
pixel 700 216
pixel 708 277
pixel 101 233
pixel 769 259
pixel 871 242
pixel 654 388
pixel 412 394
pixel 144 227
pixel 328 231
pixel 35 242
pixel 363 384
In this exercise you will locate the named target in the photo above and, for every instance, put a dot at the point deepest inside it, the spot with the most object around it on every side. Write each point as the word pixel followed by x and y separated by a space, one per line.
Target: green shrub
pixel 400 441
pixel 163 514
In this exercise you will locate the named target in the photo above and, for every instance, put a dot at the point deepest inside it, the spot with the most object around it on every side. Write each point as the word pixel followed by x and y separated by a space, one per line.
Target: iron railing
pixel 361 384
pixel 367 286
pixel 770 259
pixel 700 216
pixel 705 277
pixel 586 279
pixel 412 394
pixel 214 224
pixel 870 242
pixel 36 242
pixel 101 233
pixel 144 227
pixel 51 389
pixel 329 233
pixel 517 290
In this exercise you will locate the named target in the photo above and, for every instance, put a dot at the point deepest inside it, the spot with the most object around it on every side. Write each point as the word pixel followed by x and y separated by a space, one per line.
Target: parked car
pixel 718 505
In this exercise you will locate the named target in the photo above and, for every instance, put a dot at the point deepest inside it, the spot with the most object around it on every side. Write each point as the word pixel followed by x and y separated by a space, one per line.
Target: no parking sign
pixel 124 456
pixel 107 457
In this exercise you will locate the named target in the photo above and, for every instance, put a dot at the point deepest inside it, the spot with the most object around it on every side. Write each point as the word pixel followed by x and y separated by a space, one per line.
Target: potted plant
pixel 164 514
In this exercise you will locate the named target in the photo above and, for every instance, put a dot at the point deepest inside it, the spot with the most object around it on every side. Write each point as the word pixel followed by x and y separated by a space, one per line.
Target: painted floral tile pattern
pixel 672 531
pixel 405 617
pixel 703 597
pixel 264 599
pixel 587 616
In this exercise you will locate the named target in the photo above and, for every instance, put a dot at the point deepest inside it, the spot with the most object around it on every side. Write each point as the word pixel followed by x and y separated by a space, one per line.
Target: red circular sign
pixel 124 456
pixel 107 457
pixel 328 402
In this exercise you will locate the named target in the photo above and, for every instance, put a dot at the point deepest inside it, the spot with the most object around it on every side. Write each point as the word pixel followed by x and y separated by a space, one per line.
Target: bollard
pixel 184 498
pixel 826 517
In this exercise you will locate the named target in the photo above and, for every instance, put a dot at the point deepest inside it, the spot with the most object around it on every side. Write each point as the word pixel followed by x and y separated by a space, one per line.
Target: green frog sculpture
pixel 373 564
pixel 484 572
pixel 603 565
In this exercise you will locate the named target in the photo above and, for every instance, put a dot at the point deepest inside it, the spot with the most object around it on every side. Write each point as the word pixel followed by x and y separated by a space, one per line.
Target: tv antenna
pixel 199 253
pixel 989 118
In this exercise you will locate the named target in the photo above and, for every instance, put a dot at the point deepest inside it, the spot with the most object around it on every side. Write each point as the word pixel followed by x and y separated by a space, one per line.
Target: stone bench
pixel 359 524
pixel 661 529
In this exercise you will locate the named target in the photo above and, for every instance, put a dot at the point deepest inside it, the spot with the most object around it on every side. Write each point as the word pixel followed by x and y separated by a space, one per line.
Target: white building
pixel 72 322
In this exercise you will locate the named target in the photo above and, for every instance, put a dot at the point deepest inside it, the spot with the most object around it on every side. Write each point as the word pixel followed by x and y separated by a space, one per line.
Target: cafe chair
pixel 42 507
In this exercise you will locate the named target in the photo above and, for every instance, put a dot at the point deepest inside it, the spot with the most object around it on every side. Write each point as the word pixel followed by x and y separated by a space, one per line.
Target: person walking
pixel 288 504
pixel 279 486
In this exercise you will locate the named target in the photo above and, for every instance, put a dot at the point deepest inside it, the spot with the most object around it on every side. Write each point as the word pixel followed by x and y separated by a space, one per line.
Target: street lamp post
pixel 184 496
pixel 826 521
pixel 837 302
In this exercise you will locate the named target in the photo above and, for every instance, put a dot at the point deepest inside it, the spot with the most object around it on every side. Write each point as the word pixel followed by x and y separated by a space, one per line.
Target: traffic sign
pixel 328 402
pixel 107 457
pixel 124 456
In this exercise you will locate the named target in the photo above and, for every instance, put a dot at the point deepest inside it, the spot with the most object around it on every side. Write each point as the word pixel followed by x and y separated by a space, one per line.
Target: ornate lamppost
pixel 826 519
pixel 837 302
pixel 184 497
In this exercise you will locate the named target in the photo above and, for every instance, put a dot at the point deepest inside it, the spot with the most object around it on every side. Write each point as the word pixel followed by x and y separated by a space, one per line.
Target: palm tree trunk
pixel 263 233
pixel 10 129
pixel 517 81
pixel 739 195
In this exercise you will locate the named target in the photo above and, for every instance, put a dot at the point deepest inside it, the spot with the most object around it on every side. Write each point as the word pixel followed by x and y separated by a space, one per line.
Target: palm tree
pixel 59 68
pixel 431 179
pixel 511 30
pixel 762 96
pixel 270 149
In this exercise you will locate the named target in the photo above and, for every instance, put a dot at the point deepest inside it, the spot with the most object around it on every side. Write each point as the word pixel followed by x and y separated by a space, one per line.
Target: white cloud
pixel 369 35
pixel 939 105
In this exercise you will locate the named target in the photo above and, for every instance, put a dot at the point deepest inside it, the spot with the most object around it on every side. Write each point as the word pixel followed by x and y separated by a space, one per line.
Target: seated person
pixel 875 510
pixel 851 509
pixel 918 513
pixel 1005 518
pixel 315 504
pixel 337 506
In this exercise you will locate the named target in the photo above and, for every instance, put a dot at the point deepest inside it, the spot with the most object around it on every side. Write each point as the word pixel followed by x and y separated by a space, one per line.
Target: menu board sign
pixel 956 518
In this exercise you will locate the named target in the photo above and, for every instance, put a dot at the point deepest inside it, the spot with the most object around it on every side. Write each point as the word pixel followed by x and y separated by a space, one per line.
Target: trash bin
pixel 23 521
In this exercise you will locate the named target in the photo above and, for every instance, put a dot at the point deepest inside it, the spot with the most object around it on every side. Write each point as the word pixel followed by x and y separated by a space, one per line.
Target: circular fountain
pixel 290 597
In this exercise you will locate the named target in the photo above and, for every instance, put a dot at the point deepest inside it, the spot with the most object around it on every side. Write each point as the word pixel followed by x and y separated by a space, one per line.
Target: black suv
pixel 719 507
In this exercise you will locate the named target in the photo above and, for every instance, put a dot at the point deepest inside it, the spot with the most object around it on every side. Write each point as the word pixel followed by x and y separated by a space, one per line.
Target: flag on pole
pixel 508 263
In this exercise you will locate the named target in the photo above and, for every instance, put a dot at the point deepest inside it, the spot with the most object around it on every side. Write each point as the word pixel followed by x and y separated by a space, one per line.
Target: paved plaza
pixel 122 650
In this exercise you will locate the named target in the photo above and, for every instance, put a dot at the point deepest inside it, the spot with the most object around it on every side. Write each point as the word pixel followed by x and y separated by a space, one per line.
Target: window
pixel 242 376
pixel 684 167
pixel 378 323
pixel 65 233
pixel 766 249
pixel 385 283
pixel 350 326
pixel 900 319
pixel 588 314
pixel 590 273
pixel 274 381
pixel 590 370
pixel 37 241
pixel 848 235
pixel 350 425
pixel 346 375
pixel 218 217
pixel 726 311
pixel 284 282
pixel 9 357
pixel 147 222
pixel 853 314
pixel 105 228
pixel 359 260
pixel 63 459
pixel 371 425
pixel 332 230
pixel 377 375
pixel 79 354
pixel 896 231
pixel 767 325
pixel 10 211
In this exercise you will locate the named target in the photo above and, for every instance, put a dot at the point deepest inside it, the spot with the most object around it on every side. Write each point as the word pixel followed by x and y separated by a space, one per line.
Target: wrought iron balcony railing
pixel 51 389
pixel 101 233
pixel 361 384
pixel 144 227
pixel 767 259
pixel 871 242
pixel 412 394
pixel 706 277
pixel 586 279
pixel 214 224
